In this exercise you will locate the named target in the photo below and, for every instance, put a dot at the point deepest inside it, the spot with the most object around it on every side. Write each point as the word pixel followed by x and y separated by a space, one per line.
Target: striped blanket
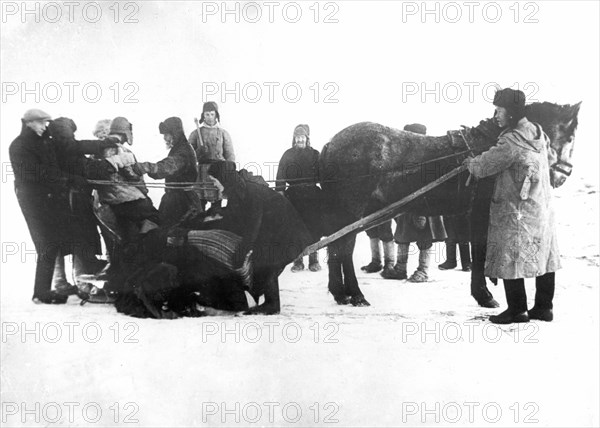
pixel 221 246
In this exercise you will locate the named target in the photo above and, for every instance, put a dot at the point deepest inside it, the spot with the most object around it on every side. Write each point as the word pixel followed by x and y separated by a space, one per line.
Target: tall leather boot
pixel 516 297
pixel 399 270
pixel 59 277
pixel 375 265
pixel 465 256
pixel 450 262
pixel 544 294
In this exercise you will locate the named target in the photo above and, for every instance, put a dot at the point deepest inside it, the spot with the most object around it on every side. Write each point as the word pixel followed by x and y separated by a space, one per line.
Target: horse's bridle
pixel 558 167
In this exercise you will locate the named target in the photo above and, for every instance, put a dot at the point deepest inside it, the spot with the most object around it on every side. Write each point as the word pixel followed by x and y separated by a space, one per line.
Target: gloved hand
pixel 141 168
pixel 122 159
pixel 130 175
pixel 419 221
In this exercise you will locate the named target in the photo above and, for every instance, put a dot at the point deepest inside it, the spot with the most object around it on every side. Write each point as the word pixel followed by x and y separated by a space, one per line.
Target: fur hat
pixel 102 128
pixel 62 129
pixel 35 114
pixel 210 106
pixel 120 125
pixel 302 129
pixel 513 101
pixel 509 99
pixel 417 128
pixel 173 126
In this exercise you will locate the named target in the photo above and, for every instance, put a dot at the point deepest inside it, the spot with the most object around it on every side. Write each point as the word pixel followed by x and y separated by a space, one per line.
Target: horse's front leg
pixel 479 289
pixel 350 281
pixel 336 282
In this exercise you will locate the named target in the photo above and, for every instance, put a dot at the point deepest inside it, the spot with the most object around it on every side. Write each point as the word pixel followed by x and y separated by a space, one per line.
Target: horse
pixel 368 166
pixel 559 122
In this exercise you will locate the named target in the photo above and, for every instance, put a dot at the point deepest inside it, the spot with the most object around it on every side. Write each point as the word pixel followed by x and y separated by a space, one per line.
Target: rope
pixel 465 140
pixel 293 182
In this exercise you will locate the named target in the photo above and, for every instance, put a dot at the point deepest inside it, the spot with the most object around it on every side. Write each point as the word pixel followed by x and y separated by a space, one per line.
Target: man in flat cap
pixel 40 188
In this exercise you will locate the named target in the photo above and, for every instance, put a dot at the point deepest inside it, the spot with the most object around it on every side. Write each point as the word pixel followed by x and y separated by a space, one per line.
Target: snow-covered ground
pixel 421 354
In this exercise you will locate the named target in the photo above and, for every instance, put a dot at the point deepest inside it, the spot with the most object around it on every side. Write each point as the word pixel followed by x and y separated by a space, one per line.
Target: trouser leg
pixel 375 249
pixel 44 269
pixel 388 254
pixel 425 257
pixel 465 256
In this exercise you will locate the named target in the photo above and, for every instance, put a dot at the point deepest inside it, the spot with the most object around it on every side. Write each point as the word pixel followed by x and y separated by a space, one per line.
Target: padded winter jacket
pixel 521 236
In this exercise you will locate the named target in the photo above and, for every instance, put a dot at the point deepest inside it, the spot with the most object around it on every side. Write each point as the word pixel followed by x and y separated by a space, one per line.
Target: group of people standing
pixel 520 241
pixel 55 175
pixel 424 231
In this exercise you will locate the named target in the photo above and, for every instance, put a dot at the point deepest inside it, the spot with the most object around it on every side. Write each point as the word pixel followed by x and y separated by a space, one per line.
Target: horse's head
pixel 559 122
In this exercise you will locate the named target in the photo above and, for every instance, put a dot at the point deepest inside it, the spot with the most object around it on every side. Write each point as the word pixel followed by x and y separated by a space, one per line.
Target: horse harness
pixel 558 167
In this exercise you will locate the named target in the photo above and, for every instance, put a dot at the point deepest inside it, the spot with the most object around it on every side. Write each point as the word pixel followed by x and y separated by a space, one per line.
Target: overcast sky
pixel 374 61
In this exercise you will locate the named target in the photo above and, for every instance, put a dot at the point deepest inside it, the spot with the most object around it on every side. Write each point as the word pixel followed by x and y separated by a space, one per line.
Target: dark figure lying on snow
pixel 258 235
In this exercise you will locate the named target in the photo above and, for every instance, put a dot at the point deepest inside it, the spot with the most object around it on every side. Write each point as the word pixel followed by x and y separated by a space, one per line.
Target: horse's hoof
pixel 487 302
pixel 342 300
pixel 263 309
pixel 359 301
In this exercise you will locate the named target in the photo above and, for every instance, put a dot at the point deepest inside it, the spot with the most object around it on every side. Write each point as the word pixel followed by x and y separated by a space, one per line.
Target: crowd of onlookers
pixel 59 180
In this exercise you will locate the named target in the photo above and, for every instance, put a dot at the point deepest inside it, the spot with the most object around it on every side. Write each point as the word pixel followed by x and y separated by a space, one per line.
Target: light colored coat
pixel 216 144
pixel 521 236
pixel 121 160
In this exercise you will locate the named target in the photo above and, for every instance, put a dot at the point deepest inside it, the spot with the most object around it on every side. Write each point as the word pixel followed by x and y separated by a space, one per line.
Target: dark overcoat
pixel 81 222
pixel 299 171
pixel 179 166
pixel 41 189
pixel 407 230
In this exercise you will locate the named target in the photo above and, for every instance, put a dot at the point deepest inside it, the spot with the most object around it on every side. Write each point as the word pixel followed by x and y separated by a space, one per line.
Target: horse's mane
pixel 540 112
pixel 487 127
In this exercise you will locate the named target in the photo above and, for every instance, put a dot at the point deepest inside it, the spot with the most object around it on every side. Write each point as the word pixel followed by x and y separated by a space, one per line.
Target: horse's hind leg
pixel 350 280
pixel 269 277
pixel 336 282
